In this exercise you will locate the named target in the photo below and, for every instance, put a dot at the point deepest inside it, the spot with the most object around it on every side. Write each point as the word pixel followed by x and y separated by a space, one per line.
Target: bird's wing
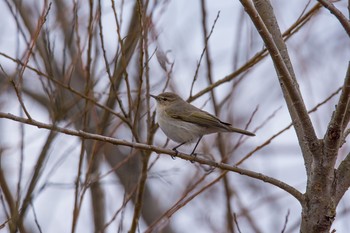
pixel 197 116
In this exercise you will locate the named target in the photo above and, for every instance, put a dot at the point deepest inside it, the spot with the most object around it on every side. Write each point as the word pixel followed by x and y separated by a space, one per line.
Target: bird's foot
pixel 176 152
pixel 194 155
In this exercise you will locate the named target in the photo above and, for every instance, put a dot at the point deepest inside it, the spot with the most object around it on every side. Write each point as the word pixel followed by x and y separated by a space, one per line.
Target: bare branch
pixel 236 222
pixel 345 119
pixel 260 55
pixel 269 140
pixel 5 190
pixel 207 52
pixel 183 200
pixel 339 121
pixel 18 86
pixel 285 222
pixel 203 52
pixel 342 106
pixel 337 13
pixel 145 156
pixel 69 88
pixel 267 27
pixel 343 179
pixel 17 218
pixel 159 150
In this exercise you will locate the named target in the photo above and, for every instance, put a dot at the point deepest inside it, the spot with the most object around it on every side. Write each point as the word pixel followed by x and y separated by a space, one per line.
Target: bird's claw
pixel 194 155
pixel 176 152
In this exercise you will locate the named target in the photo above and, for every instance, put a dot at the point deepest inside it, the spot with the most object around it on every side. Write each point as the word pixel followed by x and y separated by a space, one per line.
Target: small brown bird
pixel 185 123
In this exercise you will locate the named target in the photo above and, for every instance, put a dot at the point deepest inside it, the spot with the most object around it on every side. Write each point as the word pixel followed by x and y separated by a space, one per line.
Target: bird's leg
pixel 194 149
pixel 175 149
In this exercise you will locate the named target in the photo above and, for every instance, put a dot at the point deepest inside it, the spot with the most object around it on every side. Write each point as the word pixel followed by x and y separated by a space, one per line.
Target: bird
pixel 184 123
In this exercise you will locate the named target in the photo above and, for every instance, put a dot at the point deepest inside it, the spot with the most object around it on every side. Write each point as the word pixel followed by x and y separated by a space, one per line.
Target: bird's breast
pixel 178 130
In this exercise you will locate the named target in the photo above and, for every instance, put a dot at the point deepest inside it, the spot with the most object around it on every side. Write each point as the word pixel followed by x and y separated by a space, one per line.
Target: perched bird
pixel 185 123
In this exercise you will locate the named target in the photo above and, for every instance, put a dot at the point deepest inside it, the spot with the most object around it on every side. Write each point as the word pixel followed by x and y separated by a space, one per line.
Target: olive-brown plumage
pixel 183 122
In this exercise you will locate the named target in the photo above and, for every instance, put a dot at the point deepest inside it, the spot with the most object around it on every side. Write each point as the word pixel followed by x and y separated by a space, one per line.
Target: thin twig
pixel 18 86
pixel 178 204
pixel 285 222
pixel 202 55
pixel 68 87
pixel 40 163
pixel 269 140
pixel 236 222
pixel 260 55
pixel 127 198
pixel 77 189
pixel 207 54
pixel 35 218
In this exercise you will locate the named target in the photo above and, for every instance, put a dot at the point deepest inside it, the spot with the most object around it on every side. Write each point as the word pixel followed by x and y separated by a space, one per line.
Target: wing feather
pixel 197 116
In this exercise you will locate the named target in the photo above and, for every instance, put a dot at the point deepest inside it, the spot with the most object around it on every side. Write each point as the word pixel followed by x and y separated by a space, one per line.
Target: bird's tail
pixel 241 131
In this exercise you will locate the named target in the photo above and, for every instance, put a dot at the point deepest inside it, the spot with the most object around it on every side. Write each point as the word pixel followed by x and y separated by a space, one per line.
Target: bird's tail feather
pixel 241 131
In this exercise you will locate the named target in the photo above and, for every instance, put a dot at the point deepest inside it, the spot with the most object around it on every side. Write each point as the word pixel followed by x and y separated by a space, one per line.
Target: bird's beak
pixel 154 96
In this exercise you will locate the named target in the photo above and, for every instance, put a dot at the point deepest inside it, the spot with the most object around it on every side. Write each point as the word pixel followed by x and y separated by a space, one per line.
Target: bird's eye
pixel 165 99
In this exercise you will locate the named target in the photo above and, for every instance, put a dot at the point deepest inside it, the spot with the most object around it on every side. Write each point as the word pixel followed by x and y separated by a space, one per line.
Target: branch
pixel 339 120
pixel 269 140
pixel 145 156
pixel 342 178
pixel 337 13
pixel 226 167
pixel 278 51
pixel 67 87
pixel 203 52
pixel 39 167
pixel 184 200
pixel 18 86
pixel 6 192
pixel 346 97
pixel 260 55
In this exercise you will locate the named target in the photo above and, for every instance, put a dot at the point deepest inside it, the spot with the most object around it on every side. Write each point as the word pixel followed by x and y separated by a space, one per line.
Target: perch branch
pixel 226 167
